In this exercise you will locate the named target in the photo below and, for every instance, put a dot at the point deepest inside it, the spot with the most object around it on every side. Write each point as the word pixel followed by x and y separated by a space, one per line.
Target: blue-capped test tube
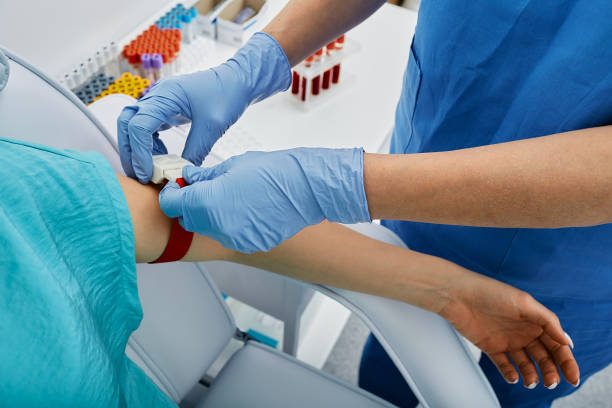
pixel 188 19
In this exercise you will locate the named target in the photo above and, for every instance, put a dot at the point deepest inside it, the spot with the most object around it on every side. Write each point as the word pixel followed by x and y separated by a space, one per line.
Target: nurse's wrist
pixel 380 186
pixel 263 65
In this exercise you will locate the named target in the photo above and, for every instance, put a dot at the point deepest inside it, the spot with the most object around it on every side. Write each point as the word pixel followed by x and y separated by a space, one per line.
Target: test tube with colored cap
pixel 336 69
pixel 187 20
pixel 145 59
pixel 295 83
pixel 329 51
pixel 305 82
pixel 316 81
pixel 157 62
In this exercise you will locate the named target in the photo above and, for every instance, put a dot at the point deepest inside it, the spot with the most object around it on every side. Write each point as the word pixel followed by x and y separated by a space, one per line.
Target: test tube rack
pixel 319 74
pixel 163 37
pixel 166 44
pixel 102 85
pixel 141 55
pixel 181 18
pixel 94 87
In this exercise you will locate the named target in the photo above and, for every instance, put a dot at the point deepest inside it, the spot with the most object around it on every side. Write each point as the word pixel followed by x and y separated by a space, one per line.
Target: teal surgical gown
pixel 68 294
pixel 488 71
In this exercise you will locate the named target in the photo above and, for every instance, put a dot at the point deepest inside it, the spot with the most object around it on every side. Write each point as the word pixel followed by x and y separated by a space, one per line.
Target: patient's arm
pixel 501 320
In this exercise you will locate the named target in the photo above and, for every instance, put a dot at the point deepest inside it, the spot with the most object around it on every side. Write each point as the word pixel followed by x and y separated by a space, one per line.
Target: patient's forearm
pixel 327 253
pixel 335 255
pixel 152 227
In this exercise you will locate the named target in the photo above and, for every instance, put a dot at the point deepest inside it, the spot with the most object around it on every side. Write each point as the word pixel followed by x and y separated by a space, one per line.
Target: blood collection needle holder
pixel 168 167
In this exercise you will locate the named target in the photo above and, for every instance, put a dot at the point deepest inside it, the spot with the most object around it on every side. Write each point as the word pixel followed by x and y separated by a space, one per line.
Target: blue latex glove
pixel 212 100
pixel 254 201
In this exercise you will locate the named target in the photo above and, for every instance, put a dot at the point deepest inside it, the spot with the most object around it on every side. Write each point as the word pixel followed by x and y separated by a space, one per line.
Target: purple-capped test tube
pixel 146 62
pixel 157 62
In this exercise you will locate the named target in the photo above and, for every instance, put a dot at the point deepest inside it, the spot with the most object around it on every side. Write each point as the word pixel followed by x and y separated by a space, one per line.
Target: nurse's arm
pixel 304 26
pixel 496 317
pixel 561 180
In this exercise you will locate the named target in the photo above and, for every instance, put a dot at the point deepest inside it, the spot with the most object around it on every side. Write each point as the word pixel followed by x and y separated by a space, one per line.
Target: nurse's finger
pixel 564 358
pixel 550 374
pixel 123 140
pixel 193 174
pixel 140 130
pixel 526 367
pixel 171 199
pixel 505 367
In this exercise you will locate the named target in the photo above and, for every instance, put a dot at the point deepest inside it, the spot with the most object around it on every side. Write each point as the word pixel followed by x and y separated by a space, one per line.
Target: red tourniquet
pixel 180 239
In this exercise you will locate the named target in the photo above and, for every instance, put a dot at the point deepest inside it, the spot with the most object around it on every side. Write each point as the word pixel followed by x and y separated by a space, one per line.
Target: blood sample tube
pixel 329 50
pixel 304 88
pixel 336 68
pixel 305 82
pixel 316 81
pixel 295 83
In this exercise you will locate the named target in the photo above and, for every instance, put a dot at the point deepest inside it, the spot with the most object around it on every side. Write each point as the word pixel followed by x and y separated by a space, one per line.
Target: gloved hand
pixel 212 100
pixel 254 201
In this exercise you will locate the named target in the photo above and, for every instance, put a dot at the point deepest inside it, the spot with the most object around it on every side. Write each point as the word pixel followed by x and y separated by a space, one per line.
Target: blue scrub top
pixel 483 72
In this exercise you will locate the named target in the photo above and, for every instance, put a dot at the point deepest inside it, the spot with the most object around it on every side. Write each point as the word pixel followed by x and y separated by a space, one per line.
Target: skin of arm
pixel 561 180
pixel 504 322
pixel 300 33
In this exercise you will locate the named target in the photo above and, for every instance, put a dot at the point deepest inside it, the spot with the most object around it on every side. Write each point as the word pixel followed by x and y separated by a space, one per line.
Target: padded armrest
pixel 425 348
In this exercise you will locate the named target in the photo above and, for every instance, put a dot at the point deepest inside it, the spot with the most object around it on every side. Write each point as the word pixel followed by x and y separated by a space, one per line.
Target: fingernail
pixel 571 343
pixel 511 382
pixel 532 386
pixel 552 386
pixel 577 383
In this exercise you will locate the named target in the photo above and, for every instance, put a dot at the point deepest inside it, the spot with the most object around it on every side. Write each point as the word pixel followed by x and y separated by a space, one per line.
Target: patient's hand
pixel 508 324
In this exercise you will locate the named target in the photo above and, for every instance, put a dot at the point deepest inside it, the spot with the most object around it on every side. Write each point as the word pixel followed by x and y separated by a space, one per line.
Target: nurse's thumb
pixel 199 142
pixel 171 200
pixel 193 174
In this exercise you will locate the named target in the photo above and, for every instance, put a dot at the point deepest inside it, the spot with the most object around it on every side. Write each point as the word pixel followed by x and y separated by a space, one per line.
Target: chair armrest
pixel 426 349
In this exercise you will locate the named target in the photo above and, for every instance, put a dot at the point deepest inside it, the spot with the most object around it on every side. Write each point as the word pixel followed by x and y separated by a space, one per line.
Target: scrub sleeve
pixel 68 292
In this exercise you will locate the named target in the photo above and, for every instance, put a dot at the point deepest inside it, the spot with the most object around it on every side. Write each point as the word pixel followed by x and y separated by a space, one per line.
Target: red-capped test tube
pixel 329 50
pixel 336 69
pixel 305 86
pixel 316 81
pixel 295 83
